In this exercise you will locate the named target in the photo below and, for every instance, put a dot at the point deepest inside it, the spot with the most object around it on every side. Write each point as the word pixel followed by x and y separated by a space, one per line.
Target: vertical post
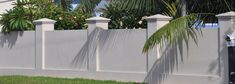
pixel 94 26
pixel 226 22
pixel 42 25
pixel 0 25
pixel 155 22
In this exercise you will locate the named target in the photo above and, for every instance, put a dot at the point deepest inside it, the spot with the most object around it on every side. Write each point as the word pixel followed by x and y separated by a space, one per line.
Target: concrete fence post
pixel 42 25
pixel 155 22
pixel 227 26
pixel 227 23
pixel 94 24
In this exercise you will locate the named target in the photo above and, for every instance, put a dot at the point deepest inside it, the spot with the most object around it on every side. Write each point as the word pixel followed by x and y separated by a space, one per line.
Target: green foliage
pixel 23 14
pixel 17 18
pixel 141 7
pixel 185 13
pixel 88 6
pixel 178 30
pixel 70 20
pixel 66 20
pixel 123 18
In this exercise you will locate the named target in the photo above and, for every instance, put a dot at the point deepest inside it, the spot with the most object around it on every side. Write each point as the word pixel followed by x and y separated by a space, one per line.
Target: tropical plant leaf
pixel 146 7
pixel 15 19
pixel 177 30
pixel 88 6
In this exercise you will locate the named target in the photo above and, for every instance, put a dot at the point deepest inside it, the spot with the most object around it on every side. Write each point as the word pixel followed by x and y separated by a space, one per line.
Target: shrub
pixel 69 20
pixel 16 19
pixel 123 18
pixel 21 17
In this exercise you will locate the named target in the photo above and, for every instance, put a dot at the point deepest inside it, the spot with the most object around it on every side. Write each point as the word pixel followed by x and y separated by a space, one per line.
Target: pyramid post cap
pixel 158 17
pixel 98 19
pixel 44 20
pixel 226 15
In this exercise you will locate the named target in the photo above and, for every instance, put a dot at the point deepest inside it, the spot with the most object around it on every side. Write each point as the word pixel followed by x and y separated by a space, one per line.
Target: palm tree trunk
pixel 64 4
pixel 184 8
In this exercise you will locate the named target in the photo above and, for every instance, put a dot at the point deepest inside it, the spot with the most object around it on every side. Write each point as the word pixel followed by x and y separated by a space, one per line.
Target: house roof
pixel 2 1
pixel 6 5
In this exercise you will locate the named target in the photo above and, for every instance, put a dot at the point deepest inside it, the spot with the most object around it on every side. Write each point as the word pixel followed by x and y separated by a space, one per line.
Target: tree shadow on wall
pixel 9 39
pixel 171 55
pixel 224 57
pixel 97 39
pixel 163 66
pixel 88 50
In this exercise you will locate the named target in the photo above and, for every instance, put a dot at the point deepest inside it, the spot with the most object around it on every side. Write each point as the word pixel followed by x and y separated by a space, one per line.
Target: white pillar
pixel 42 25
pixel 0 28
pixel 227 24
pixel 94 24
pixel 0 24
pixel 155 22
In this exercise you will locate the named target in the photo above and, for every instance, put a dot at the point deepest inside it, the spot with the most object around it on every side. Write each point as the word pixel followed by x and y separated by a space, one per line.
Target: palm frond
pixel 88 5
pixel 140 6
pixel 172 9
pixel 179 29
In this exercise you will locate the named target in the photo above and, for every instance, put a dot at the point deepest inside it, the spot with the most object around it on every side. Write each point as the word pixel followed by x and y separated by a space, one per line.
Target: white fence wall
pixel 121 51
pixel 16 51
pixel 99 53
pixel 200 63
pixel 66 55
pixel 62 48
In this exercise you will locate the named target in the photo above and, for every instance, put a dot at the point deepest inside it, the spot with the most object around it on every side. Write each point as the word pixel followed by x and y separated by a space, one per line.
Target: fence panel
pixel 66 50
pixel 121 50
pixel 17 50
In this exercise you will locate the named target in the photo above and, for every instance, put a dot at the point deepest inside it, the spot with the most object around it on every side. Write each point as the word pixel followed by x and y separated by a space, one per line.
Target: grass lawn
pixel 50 80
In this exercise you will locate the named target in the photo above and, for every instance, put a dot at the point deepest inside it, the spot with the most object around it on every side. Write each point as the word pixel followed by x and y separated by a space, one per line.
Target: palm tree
pixel 84 5
pixel 88 5
pixel 64 4
pixel 185 13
